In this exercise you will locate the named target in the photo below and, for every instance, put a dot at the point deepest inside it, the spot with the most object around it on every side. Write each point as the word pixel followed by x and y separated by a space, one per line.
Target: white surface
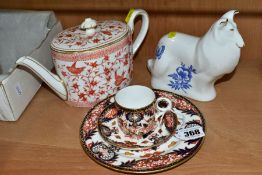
pixel 135 97
pixel 5 110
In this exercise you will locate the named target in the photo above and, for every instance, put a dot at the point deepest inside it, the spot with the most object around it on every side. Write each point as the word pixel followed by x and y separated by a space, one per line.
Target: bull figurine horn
pixel 230 14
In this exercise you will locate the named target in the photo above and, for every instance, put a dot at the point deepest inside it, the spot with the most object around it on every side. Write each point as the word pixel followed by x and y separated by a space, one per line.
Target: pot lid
pixel 89 35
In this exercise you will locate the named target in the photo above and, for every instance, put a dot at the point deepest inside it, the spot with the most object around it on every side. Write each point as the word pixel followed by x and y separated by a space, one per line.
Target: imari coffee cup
pixel 140 110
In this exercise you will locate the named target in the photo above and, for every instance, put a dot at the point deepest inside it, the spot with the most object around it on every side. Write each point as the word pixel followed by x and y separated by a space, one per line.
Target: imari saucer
pixel 169 154
pixel 109 129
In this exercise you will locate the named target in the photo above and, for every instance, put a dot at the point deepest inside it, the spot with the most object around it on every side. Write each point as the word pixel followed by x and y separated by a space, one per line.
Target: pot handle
pixel 133 13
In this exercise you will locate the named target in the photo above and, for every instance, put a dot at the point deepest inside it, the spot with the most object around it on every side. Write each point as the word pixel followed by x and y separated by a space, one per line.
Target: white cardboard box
pixel 18 88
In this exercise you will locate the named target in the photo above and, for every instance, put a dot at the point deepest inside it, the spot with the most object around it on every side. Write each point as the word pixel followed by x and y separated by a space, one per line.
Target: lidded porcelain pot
pixel 93 60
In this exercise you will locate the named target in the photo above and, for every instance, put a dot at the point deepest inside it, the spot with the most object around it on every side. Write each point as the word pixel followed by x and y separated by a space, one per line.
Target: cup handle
pixel 145 23
pixel 168 107
pixel 164 107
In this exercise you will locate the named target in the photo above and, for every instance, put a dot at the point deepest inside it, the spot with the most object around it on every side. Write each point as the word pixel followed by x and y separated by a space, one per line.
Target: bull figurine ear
pixel 224 22
pixel 230 15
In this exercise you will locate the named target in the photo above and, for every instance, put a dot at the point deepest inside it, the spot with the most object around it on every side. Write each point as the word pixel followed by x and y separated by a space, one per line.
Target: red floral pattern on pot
pixel 91 80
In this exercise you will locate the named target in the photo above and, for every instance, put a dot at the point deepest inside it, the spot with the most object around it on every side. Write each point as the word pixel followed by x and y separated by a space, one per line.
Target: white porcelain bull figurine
pixel 189 65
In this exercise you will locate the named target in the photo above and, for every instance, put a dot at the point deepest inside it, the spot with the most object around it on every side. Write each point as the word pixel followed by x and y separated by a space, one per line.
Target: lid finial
pixel 89 26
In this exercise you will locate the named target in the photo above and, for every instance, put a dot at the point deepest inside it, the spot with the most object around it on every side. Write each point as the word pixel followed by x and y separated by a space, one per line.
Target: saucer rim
pixel 157 170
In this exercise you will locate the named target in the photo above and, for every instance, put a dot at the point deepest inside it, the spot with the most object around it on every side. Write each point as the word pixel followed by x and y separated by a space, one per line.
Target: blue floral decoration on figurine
pixel 182 77
pixel 159 51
